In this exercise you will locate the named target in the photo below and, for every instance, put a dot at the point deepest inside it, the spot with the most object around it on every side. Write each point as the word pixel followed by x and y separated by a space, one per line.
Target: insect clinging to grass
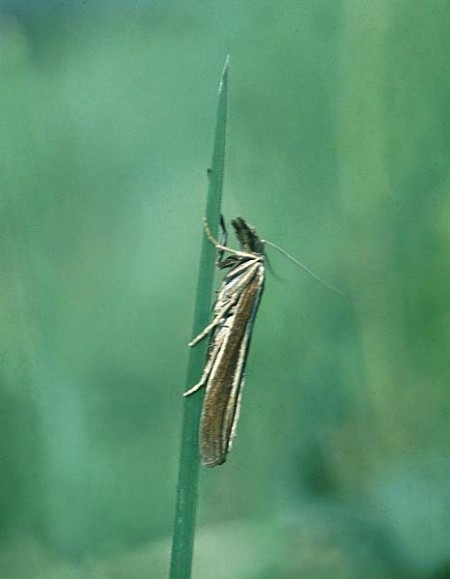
pixel 230 332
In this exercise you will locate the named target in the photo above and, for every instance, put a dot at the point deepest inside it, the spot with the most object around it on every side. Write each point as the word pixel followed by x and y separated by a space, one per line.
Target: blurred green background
pixel 338 150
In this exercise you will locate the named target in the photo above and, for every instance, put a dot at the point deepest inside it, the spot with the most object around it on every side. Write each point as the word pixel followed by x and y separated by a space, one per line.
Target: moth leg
pixel 197 386
pixel 217 319
pixel 221 247
pixel 208 329
pixel 214 349
pixel 223 241
pixel 211 237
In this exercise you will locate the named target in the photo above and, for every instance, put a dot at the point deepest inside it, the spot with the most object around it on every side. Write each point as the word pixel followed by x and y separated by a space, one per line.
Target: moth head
pixel 247 236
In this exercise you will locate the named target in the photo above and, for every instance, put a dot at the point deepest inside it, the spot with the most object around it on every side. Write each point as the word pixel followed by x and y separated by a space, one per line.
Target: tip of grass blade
pixel 224 74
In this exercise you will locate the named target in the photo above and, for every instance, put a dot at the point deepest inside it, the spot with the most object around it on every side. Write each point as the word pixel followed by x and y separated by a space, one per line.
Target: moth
pixel 230 333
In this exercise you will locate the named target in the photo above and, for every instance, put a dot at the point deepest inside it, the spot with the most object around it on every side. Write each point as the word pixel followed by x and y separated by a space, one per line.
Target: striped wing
pixel 226 378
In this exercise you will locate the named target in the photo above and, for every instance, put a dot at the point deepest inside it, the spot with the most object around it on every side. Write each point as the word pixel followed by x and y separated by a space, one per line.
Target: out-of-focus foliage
pixel 338 150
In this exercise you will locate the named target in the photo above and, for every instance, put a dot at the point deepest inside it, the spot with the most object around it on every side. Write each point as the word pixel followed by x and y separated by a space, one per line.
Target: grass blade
pixel 186 501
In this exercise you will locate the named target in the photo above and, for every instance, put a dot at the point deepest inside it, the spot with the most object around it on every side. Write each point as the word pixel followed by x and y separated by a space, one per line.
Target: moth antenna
pixel 305 268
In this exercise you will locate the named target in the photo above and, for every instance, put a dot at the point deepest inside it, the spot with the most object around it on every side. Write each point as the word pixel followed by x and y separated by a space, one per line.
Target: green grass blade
pixel 186 501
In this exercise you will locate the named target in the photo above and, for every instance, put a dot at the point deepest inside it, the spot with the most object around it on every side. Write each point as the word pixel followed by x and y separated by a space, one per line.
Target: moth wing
pixel 224 387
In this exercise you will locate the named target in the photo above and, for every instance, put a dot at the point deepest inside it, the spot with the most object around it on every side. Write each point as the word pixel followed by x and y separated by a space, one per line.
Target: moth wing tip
pixel 211 463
